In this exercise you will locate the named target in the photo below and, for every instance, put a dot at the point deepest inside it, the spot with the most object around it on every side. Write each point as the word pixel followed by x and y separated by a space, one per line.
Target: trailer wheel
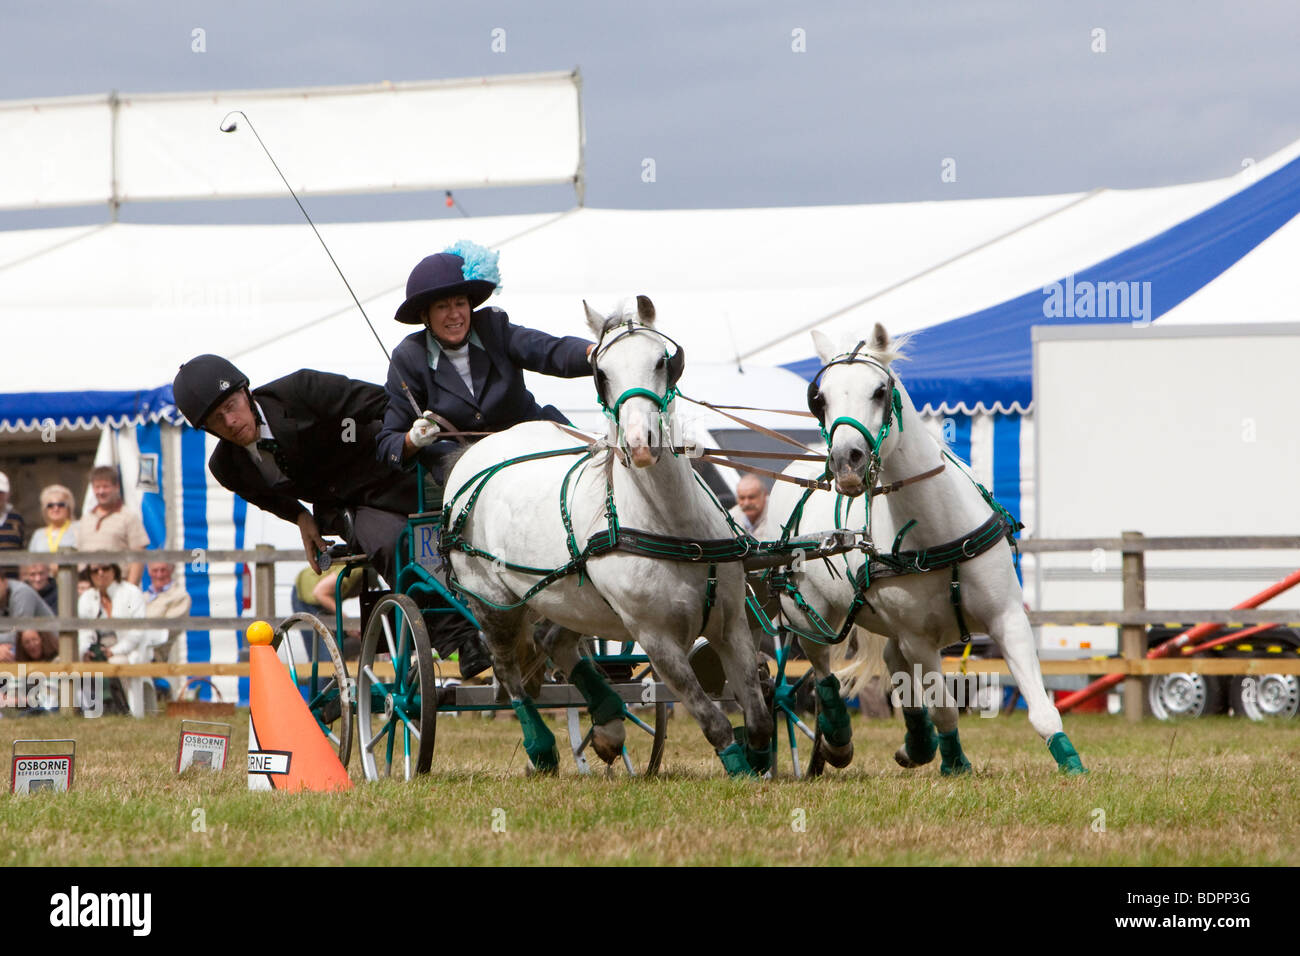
pixel 1260 696
pixel 1173 696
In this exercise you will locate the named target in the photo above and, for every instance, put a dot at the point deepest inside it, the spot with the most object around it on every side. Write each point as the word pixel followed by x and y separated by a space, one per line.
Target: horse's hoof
pixel 547 762
pixel 735 762
pixel 904 759
pixel 1067 758
pixel 920 742
pixel 838 757
pixel 954 762
pixel 608 746
pixel 959 767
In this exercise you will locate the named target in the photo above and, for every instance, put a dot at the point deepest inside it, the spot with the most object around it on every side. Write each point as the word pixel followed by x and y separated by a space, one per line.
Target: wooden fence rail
pixel 1132 619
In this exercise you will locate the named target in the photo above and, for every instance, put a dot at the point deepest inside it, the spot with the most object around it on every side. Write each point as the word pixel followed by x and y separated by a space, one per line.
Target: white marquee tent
pixel 740 289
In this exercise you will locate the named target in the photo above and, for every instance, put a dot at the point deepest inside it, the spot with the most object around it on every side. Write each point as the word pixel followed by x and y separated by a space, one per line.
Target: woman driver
pixel 466 363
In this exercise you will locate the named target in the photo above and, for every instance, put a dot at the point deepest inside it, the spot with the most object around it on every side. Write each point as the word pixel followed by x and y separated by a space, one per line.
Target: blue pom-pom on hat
pixel 480 262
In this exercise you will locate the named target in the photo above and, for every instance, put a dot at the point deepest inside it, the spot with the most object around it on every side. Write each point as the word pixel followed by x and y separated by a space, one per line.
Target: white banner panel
pixel 496 131
pixel 55 152
pixel 452 134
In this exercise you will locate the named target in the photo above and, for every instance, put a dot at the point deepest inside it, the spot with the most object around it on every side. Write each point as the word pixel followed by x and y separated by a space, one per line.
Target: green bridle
pixel 675 363
pixel 893 408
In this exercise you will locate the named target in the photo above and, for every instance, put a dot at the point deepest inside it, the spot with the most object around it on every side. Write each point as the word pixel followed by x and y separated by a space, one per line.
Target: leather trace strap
pixel 904 482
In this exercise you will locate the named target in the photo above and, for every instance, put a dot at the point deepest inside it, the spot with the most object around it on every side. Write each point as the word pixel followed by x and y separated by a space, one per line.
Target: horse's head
pixel 636 368
pixel 855 397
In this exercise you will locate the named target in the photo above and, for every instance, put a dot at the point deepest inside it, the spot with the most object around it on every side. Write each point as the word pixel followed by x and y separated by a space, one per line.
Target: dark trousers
pixel 377 532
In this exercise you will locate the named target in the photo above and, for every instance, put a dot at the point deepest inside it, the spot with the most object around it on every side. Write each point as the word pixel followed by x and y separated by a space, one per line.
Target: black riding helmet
pixel 203 383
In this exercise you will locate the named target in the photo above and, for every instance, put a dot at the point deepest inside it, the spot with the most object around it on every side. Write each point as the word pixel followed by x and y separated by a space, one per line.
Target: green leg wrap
pixel 759 760
pixel 602 703
pixel 953 761
pixel 921 740
pixel 733 759
pixel 539 742
pixel 834 716
pixel 1067 758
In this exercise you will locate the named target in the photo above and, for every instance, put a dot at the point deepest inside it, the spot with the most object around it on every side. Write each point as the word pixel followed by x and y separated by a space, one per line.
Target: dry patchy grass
pixel 1223 795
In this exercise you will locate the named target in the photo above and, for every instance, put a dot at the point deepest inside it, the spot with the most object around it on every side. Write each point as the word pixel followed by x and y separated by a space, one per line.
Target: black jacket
pixel 500 399
pixel 326 425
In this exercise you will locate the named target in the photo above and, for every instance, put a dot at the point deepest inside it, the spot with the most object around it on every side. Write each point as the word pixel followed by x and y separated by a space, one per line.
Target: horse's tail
pixel 857 660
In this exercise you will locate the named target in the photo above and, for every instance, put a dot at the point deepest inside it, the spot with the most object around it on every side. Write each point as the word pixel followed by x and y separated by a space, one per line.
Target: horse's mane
pixel 896 351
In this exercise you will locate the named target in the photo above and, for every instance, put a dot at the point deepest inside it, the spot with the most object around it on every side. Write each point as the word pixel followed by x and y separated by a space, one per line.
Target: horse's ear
pixel 879 339
pixel 825 347
pixel 595 321
pixel 645 310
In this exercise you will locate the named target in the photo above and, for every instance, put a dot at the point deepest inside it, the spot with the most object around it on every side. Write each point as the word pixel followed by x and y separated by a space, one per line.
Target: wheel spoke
pixel 807 732
pixel 320 696
pixel 384 730
pixel 640 723
pixel 388 639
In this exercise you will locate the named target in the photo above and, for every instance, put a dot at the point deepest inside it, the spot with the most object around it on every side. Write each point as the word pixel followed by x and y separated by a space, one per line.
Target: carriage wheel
pixel 396 715
pixel 330 697
pixel 784 699
pixel 645 728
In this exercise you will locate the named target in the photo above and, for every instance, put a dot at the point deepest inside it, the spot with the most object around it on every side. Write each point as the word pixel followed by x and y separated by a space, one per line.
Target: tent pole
pixel 113 202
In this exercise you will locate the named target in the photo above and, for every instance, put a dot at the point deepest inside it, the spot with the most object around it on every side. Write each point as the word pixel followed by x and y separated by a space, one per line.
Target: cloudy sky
pixel 1019 93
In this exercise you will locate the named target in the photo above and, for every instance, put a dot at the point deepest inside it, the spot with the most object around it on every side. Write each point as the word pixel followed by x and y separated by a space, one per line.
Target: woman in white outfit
pixel 111 597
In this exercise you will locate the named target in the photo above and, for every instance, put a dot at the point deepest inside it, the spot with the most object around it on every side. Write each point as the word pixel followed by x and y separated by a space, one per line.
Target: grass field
pixel 1212 791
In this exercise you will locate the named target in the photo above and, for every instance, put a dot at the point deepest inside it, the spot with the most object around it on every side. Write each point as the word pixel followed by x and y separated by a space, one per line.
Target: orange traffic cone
pixel 286 749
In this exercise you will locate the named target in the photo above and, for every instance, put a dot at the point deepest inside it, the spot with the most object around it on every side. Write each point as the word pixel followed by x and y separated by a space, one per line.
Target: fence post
pixel 264 584
pixel 66 576
pixel 1133 638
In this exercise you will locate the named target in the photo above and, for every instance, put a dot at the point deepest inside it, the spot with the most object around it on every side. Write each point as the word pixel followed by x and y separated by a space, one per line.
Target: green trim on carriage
pixel 833 717
pixel 954 762
pixel 415 580
pixel 1067 758
pixel 735 762
pixel 539 742
pixel 920 742
pixel 602 703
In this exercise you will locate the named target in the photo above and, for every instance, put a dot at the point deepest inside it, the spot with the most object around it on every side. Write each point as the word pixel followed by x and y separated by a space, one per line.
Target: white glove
pixel 424 432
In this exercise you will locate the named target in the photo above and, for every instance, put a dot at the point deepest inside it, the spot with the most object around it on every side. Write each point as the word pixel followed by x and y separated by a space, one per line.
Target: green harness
pixel 615 537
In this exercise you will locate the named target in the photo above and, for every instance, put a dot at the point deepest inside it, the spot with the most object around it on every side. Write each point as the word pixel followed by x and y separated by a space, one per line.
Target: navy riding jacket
pixel 499 398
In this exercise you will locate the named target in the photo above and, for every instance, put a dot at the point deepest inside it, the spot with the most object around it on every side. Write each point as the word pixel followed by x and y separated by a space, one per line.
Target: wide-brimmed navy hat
pixel 465 267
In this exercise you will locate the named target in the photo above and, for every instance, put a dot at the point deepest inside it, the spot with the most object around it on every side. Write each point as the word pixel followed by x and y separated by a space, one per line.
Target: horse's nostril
pixel 855 457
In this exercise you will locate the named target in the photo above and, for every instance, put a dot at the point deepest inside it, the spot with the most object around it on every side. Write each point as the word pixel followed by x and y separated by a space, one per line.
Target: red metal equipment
pixel 1186 637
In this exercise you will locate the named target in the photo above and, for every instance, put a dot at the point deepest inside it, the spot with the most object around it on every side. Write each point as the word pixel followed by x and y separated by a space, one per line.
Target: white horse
pixel 663 605
pixel 877 437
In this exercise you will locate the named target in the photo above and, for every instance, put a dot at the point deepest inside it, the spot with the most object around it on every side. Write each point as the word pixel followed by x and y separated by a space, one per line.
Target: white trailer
pixel 1181 430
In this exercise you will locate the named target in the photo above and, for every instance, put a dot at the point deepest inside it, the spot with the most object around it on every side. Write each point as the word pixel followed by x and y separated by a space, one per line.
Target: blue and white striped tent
pixel 739 289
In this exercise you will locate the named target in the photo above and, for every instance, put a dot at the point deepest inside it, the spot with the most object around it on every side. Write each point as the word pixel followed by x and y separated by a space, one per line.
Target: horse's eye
pixel 879 394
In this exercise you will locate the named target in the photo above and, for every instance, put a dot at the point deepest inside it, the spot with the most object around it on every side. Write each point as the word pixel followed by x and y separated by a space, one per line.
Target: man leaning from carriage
pixel 311 436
